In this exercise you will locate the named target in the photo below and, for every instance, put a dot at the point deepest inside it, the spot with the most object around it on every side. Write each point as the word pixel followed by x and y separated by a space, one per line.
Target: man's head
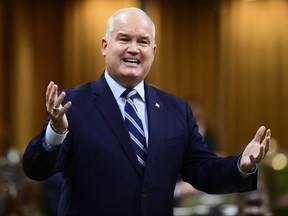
pixel 129 46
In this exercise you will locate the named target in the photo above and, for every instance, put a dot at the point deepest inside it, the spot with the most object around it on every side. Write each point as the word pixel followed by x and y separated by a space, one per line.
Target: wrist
pixel 57 131
pixel 246 170
pixel 251 170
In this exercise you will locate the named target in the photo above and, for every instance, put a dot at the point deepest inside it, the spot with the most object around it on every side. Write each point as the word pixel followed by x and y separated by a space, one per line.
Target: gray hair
pixel 110 23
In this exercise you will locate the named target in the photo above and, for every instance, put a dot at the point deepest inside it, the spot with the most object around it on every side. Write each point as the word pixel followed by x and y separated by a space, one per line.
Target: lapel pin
pixel 157 105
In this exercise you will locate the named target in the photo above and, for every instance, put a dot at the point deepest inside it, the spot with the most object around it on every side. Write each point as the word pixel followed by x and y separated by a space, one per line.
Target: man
pixel 87 138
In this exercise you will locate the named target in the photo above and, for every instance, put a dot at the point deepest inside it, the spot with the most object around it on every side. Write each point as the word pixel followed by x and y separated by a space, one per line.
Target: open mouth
pixel 132 61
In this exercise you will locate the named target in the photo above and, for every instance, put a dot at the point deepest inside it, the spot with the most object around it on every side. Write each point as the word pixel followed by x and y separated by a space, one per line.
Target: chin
pixel 130 81
pixel 132 75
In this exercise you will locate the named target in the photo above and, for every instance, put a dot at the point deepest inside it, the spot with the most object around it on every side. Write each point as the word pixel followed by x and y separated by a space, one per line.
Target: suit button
pixel 143 193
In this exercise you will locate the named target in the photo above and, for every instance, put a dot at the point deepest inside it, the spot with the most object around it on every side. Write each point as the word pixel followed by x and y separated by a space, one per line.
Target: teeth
pixel 132 61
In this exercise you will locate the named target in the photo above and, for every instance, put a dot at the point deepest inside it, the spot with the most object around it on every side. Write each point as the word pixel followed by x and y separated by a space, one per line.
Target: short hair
pixel 110 22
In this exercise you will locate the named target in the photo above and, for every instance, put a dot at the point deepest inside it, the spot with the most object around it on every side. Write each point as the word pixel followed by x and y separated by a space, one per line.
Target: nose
pixel 133 47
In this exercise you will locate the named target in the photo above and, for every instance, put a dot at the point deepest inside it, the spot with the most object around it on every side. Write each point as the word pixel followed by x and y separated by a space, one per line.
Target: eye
pixel 144 42
pixel 124 39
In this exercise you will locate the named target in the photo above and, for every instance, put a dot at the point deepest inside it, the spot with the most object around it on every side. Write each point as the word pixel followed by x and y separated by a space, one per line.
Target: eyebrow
pixel 127 35
pixel 122 34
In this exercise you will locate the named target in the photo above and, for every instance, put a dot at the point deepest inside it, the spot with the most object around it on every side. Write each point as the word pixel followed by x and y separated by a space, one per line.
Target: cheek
pixel 149 59
pixel 149 55
pixel 111 56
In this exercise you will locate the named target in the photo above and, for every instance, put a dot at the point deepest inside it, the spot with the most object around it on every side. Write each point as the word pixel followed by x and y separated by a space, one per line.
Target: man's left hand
pixel 256 150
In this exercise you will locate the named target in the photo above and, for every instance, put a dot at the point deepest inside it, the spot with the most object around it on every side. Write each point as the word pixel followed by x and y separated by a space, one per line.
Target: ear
pixel 154 51
pixel 104 45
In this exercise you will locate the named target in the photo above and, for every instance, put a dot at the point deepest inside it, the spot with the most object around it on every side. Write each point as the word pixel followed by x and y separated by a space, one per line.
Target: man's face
pixel 130 51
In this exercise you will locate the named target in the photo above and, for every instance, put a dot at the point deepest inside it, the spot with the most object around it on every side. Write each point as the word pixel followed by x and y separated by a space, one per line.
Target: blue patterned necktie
pixel 134 126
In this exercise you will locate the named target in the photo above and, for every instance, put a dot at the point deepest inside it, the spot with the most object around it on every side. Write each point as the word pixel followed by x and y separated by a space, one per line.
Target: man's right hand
pixel 55 109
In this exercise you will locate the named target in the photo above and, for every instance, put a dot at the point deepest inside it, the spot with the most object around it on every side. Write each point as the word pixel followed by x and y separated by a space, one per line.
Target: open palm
pixel 256 150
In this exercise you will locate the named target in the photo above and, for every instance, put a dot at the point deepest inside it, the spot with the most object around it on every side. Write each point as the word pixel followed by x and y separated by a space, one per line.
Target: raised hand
pixel 256 150
pixel 55 109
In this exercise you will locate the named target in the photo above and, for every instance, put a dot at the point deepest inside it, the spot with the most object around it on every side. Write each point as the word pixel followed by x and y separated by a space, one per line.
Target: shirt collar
pixel 117 89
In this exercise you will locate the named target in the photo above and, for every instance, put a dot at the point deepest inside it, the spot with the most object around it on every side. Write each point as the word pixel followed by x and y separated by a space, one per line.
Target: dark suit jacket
pixel 101 173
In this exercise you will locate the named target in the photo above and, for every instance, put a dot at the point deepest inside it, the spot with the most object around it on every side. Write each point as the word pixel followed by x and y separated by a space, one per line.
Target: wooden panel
pixel 252 72
pixel 2 88
pixel 230 55
pixel 85 25
pixel 50 40
pixel 186 45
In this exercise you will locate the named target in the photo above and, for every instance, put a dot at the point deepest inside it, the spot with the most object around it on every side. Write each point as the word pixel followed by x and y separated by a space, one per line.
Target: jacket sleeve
pixel 39 164
pixel 208 172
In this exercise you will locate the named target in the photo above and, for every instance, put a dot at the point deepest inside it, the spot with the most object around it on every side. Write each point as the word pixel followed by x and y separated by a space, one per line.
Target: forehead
pixel 132 23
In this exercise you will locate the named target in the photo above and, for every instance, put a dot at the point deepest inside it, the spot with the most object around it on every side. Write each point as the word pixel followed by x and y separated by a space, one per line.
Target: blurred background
pixel 228 55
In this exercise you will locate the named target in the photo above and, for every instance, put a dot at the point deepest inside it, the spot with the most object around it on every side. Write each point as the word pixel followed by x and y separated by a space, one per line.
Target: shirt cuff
pixel 52 139
pixel 246 174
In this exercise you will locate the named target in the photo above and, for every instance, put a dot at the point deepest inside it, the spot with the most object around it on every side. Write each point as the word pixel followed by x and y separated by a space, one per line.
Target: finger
pixel 259 134
pixel 59 100
pixel 268 136
pixel 65 108
pixel 54 92
pixel 52 97
pixel 268 133
pixel 261 154
pixel 252 160
pixel 266 141
pixel 58 113
pixel 48 91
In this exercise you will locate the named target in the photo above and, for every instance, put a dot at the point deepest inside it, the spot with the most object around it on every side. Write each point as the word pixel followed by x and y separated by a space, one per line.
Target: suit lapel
pixel 106 104
pixel 154 110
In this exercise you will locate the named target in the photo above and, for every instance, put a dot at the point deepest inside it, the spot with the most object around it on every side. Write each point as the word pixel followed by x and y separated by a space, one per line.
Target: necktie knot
pixel 130 94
